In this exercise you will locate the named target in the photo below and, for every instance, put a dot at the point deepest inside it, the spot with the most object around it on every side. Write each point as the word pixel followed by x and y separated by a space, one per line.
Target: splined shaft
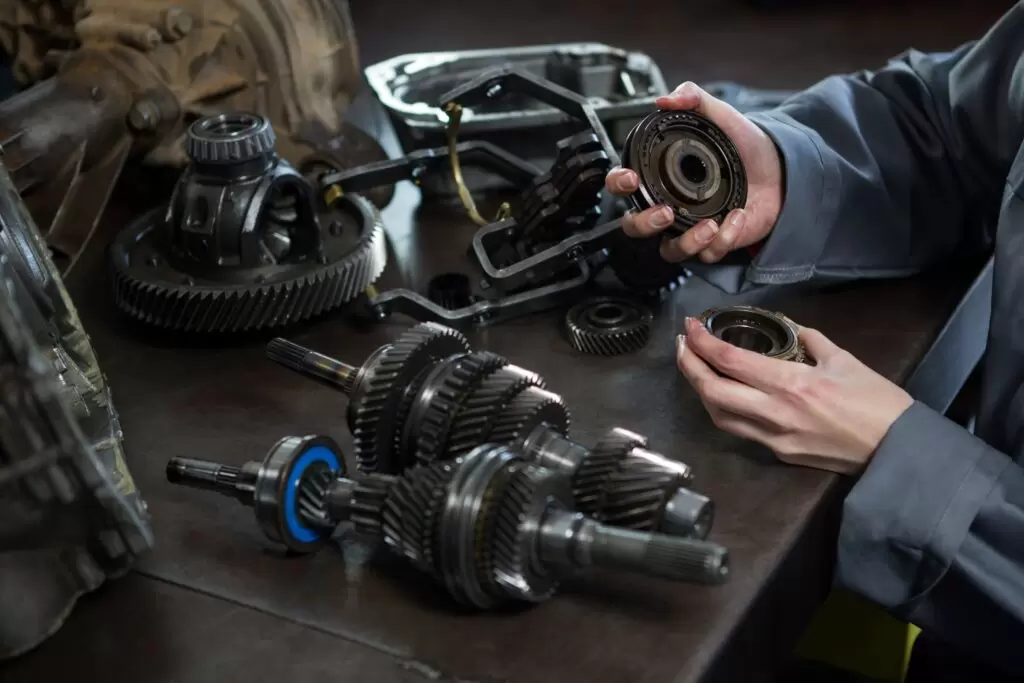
pixel 329 371
pixel 238 482
pixel 427 397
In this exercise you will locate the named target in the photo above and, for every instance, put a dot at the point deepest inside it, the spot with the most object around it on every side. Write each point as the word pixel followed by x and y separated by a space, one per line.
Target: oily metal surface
pixel 218 402
pixel 230 404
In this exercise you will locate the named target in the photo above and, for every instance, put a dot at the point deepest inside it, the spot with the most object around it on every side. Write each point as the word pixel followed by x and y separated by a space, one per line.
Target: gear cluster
pixel 490 526
pixel 428 397
pixel 245 242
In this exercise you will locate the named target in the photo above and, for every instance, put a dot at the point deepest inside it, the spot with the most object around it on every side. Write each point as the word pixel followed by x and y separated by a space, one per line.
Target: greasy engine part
pixel 609 326
pixel 245 242
pixel 621 85
pixel 287 490
pixel 539 256
pixel 621 483
pixel 688 163
pixel 113 79
pixel 488 526
pixel 427 398
pixel 756 329
pixel 70 514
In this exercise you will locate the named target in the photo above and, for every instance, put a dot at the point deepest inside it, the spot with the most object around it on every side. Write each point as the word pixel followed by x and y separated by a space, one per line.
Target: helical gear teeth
pixel 636 495
pixel 374 422
pixel 588 484
pixel 472 426
pixel 412 512
pixel 509 565
pixel 369 497
pixel 230 310
pixel 311 498
pixel 587 337
pixel 464 375
pixel 531 408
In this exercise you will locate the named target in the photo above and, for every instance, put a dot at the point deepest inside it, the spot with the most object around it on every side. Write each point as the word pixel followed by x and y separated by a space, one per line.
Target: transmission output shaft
pixel 308 362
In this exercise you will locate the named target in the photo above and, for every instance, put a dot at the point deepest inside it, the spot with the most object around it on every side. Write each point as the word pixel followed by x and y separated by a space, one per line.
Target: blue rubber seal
pixel 292 521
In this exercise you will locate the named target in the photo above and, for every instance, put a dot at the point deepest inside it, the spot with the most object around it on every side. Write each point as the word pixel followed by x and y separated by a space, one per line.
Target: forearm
pixel 889 172
pixel 932 532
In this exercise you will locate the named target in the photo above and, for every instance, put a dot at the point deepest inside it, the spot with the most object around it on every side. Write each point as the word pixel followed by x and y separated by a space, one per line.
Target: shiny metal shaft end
pixel 310 363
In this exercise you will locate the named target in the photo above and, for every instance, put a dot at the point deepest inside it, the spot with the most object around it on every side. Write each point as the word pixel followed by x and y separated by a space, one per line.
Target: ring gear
pixel 373 410
pixel 609 326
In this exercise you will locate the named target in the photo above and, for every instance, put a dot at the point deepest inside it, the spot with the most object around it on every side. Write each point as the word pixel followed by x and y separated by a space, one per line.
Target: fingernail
pixel 692 324
pixel 688 88
pixel 662 218
pixel 738 219
pixel 707 232
pixel 680 344
pixel 624 182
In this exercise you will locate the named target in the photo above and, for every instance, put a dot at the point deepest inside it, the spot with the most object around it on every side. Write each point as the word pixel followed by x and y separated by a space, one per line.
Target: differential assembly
pixel 427 398
pixel 756 329
pixel 245 243
pixel 609 326
pixel 686 162
pixel 70 514
pixel 489 526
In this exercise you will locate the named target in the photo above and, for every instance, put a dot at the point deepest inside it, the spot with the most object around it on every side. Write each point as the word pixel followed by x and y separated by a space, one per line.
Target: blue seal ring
pixel 292 522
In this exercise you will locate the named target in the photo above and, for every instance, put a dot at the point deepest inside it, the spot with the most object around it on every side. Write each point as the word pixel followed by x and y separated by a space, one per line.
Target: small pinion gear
pixel 380 393
pixel 609 326
pixel 591 479
pixel 150 288
pixel 229 138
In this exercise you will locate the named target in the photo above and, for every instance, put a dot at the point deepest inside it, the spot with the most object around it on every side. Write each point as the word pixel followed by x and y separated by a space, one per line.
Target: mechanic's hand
pixel 743 227
pixel 831 416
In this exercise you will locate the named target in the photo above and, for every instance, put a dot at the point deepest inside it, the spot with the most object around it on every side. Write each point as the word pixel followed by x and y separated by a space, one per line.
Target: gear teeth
pixel 211 147
pixel 464 375
pixel 637 263
pixel 374 423
pixel 412 512
pixel 588 484
pixel 509 568
pixel 246 308
pixel 369 497
pixel 588 333
pixel 311 501
pixel 531 408
pixel 635 495
pixel 474 422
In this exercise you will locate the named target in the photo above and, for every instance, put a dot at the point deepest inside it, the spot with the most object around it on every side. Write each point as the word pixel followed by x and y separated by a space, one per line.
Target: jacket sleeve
pixel 887 172
pixel 933 531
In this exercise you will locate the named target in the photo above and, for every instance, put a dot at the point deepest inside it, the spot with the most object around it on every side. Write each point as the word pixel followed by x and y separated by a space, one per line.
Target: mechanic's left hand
pixel 831 416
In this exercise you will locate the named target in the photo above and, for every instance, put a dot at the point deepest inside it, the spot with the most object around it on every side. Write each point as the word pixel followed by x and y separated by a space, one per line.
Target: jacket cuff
pixel 811 198
pixel 906 518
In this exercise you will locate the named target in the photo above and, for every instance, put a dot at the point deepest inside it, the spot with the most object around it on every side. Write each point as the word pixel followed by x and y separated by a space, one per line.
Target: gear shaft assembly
pixel 490 526
pixel 427 398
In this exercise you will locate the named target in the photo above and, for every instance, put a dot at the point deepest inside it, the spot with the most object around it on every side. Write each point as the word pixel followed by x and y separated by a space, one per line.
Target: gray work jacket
pixel 888 172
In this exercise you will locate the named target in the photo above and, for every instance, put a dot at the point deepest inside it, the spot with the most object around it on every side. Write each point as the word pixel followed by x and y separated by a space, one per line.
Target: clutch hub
pixel 688 163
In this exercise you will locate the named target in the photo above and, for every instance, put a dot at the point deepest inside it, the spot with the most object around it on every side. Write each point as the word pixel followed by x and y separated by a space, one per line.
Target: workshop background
pixel 771 44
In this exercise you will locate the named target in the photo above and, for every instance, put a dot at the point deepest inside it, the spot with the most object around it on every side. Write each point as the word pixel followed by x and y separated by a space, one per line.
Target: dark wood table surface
pixel 214 603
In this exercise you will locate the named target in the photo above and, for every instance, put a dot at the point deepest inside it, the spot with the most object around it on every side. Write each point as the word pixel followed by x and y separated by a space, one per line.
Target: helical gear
pixel 473 425
pixel 591 478
pixel 374 407
pixel 190 305
pixel 635 495
pixel 530 409
pixel 369 497
pixel 312 496
pixel 412 513
pixel 637 263
pixel 446 402
pixel 609 326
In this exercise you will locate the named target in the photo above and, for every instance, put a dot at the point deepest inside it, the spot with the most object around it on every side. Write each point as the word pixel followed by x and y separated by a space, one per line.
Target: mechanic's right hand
pixel 743 227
